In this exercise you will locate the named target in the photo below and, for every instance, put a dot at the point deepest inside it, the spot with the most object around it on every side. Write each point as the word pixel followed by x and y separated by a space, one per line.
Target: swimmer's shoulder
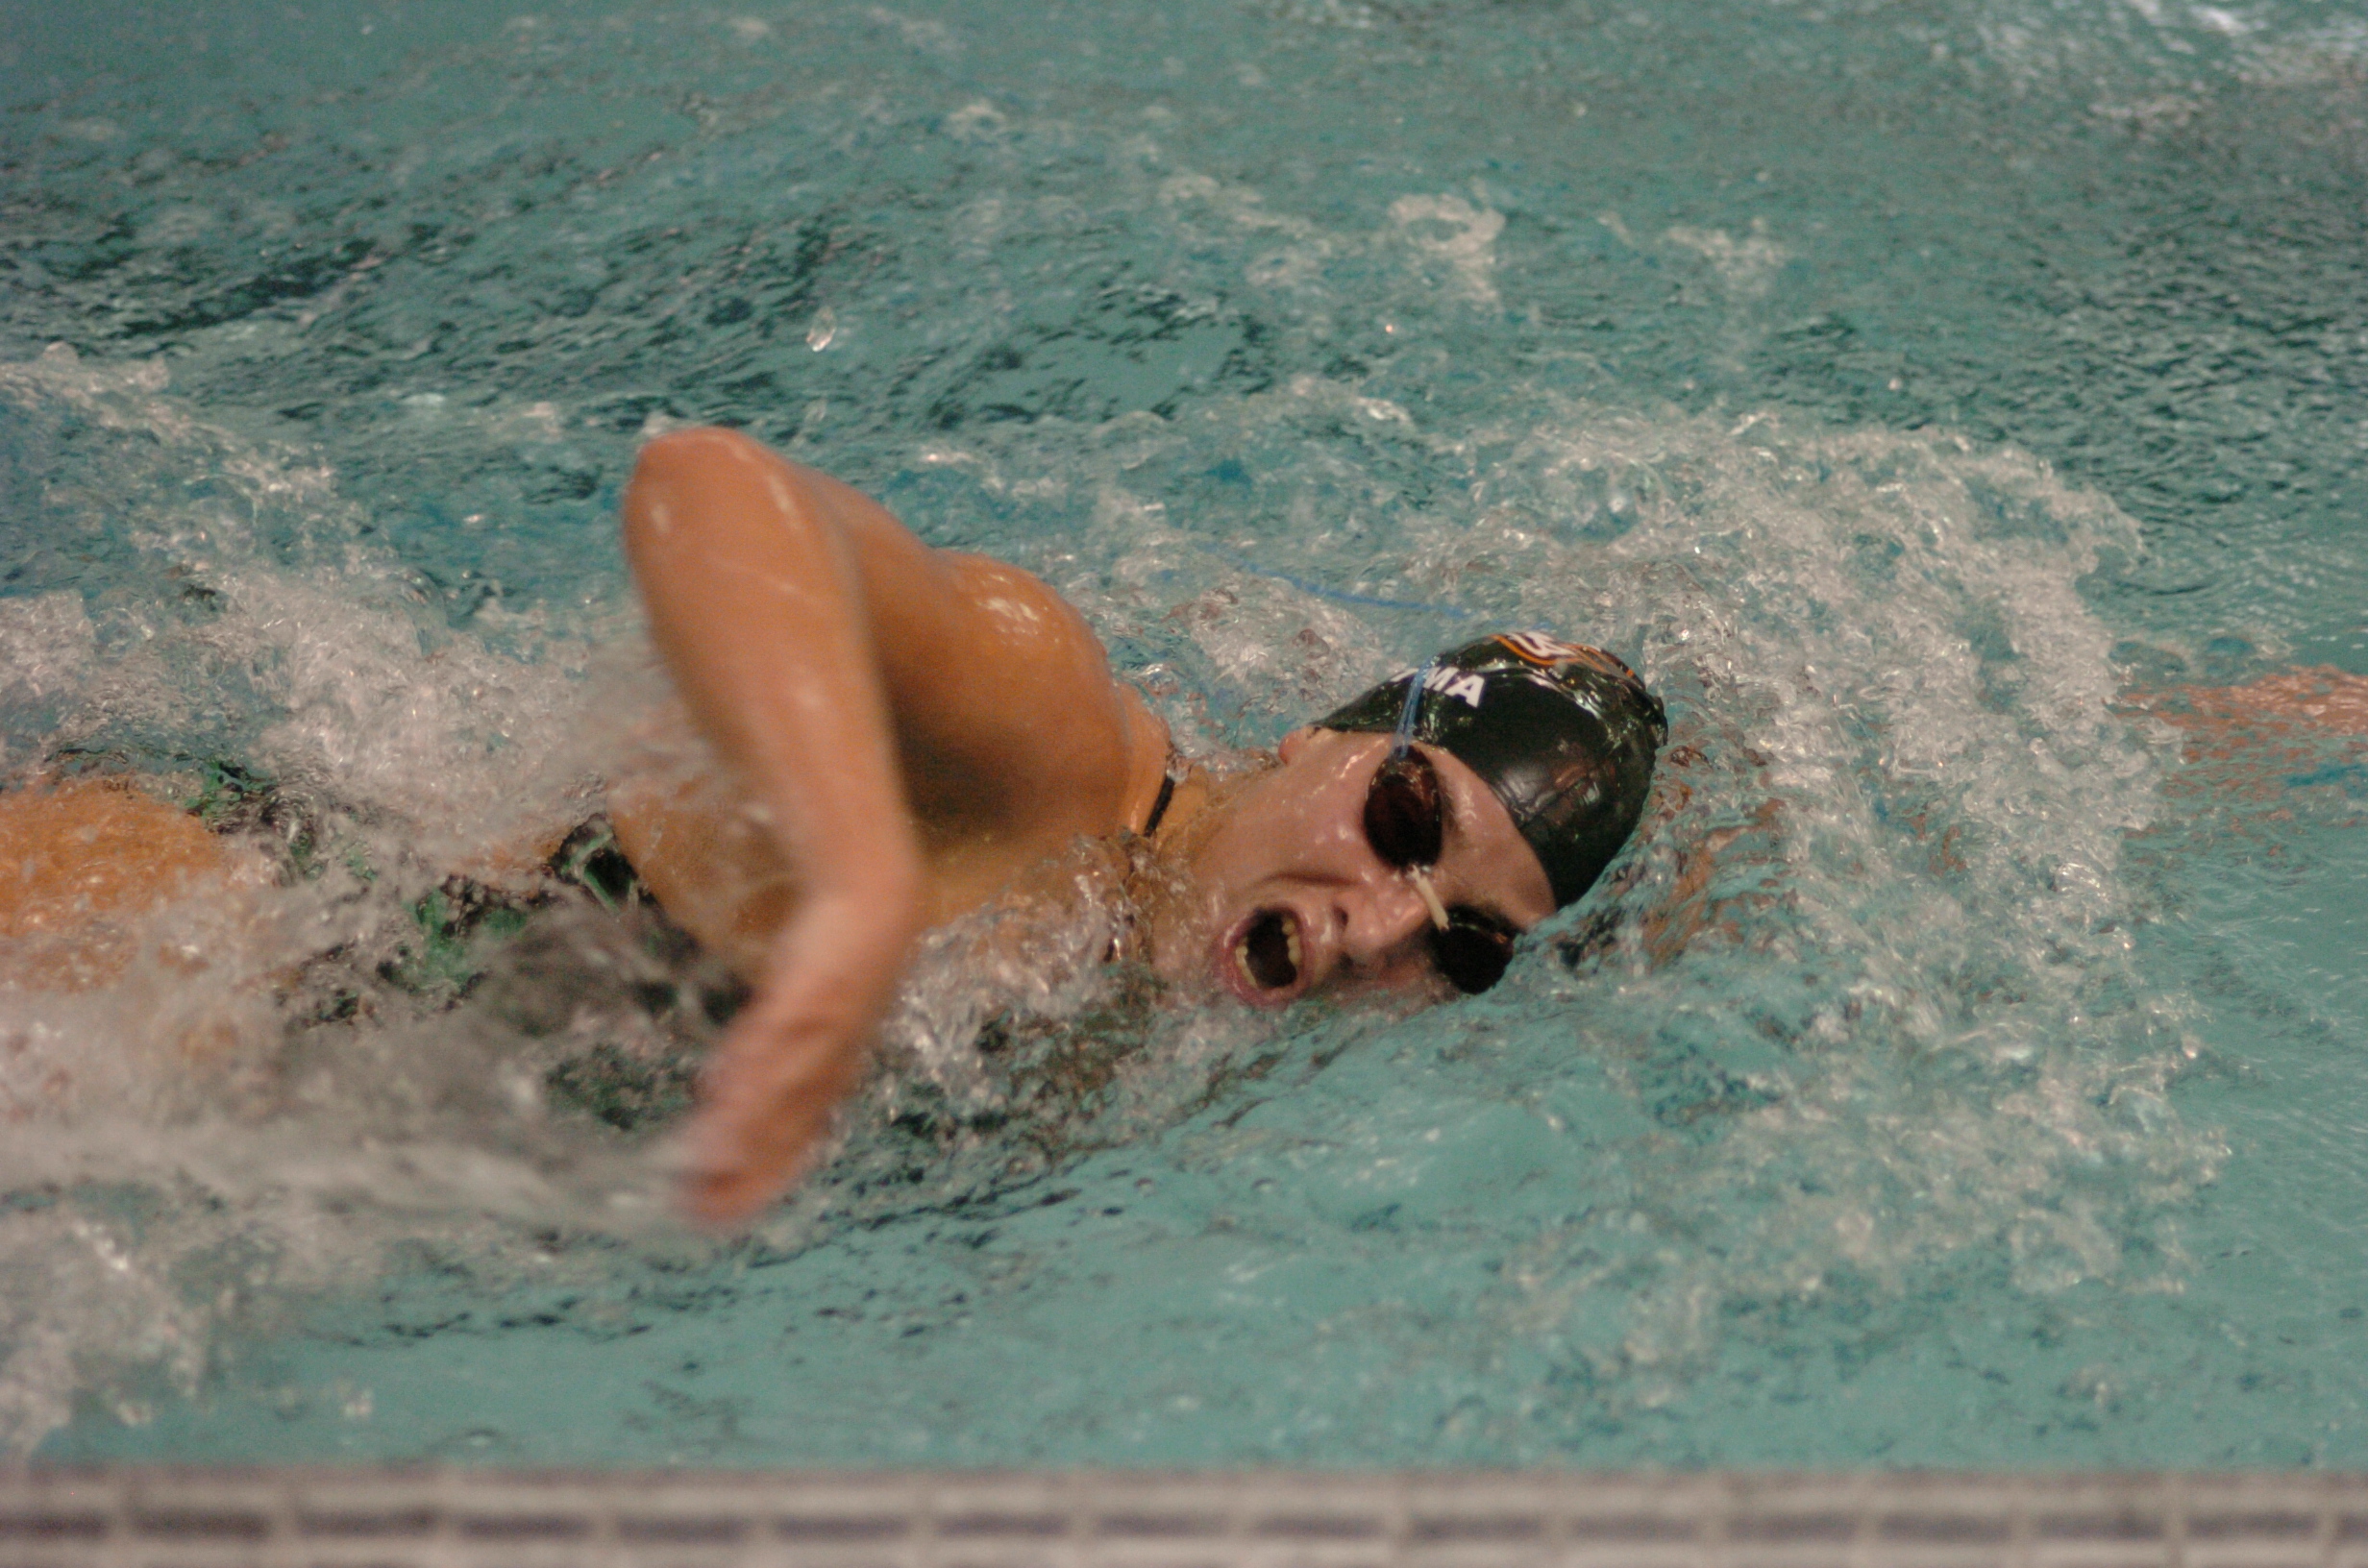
pixel 1012 716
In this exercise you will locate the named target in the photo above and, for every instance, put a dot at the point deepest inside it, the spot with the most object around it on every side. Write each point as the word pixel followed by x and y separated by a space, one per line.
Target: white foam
pixel 422 748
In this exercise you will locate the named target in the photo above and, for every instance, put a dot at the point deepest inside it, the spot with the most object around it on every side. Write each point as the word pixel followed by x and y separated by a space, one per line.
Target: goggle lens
pixel 1471 952
pixel 1405 822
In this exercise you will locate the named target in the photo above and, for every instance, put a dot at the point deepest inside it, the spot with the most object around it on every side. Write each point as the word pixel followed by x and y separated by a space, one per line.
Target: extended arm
pixel 909 722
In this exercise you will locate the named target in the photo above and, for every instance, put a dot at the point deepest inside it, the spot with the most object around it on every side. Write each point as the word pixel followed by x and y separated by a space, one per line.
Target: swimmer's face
pixel 1288 896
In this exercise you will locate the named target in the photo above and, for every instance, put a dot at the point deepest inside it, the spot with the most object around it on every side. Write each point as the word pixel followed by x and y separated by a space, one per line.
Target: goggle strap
pixel 1403 739
pixel 1420 875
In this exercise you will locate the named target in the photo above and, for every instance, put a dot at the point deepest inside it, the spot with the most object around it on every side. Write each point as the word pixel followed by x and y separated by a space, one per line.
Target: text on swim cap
pixel 1463 685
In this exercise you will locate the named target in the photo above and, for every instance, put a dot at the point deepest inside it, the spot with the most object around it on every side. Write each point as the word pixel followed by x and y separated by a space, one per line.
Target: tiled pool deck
pixel 195 1518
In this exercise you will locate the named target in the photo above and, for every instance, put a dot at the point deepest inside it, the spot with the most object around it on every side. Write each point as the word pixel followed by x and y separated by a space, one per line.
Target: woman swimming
pixel 1393 844
pixel 920 732
pixel 906 735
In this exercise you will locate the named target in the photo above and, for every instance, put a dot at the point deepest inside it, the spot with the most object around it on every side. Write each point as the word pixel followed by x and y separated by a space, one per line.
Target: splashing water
pixel 1863 999
pixel 1890 1100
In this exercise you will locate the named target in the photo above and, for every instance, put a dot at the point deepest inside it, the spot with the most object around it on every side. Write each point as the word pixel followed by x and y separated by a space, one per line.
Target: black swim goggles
pixel 1406 823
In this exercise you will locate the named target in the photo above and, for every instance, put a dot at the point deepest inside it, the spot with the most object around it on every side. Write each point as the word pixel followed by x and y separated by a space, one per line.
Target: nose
pixel 1382 922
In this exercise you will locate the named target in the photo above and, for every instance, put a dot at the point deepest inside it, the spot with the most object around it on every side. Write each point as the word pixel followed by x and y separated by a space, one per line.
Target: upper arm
pixel 1000 695
pixel 997 681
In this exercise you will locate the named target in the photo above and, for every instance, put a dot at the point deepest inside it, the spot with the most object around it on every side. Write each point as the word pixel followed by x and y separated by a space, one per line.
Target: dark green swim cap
pixel 1563 734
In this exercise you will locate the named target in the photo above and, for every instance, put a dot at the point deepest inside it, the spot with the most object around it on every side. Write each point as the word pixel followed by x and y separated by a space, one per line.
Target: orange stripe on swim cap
pixel 1546 653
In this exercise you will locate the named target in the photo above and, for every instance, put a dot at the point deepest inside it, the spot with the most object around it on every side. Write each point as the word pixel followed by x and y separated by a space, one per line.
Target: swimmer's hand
pixel 798 1050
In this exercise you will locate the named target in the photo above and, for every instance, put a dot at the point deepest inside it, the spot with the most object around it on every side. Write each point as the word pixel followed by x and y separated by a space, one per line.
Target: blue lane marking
pixel 1363 600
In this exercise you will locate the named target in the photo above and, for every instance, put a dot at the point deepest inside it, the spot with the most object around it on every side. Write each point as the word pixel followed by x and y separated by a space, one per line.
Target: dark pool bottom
pixel 1730 1519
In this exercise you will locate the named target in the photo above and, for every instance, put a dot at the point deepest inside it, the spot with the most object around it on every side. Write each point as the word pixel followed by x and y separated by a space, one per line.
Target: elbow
pixel 690 451
pixel 671 475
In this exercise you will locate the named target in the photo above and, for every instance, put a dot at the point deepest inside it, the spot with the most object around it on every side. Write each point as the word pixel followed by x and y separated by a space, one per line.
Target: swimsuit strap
pixel 1159 807
pixel 1136 848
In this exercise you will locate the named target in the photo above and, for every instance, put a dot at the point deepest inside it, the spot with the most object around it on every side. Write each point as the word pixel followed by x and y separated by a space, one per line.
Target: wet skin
pixel 1288 896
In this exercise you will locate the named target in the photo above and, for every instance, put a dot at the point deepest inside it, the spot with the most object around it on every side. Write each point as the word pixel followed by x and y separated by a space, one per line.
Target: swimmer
pixel 912 734
pixel 897 736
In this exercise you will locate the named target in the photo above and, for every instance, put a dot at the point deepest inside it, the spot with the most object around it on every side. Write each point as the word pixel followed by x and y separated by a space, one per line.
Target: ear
pixel 1295 743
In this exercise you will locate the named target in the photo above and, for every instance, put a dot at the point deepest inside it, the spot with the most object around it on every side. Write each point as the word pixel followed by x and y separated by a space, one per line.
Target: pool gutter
pixel 400 1517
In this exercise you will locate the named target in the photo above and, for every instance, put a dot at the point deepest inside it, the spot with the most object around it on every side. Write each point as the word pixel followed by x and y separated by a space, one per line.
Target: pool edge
pixel 441 1514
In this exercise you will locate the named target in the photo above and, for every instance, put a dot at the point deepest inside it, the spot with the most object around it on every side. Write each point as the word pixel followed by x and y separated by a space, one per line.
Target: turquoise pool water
pixel 1957 1075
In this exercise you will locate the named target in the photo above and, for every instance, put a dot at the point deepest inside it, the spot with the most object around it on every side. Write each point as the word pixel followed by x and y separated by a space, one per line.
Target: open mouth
pixel 1268 951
